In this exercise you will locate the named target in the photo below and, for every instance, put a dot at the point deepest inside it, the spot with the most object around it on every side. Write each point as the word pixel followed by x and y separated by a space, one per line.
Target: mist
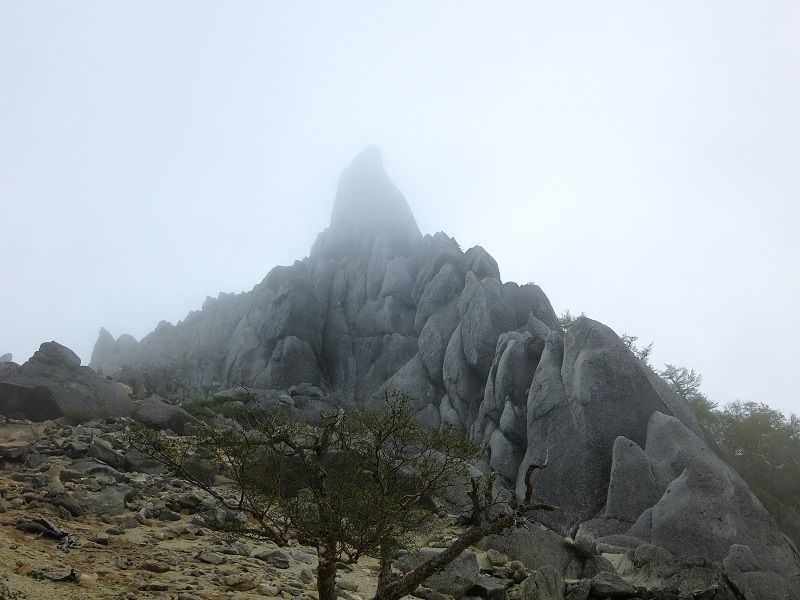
pixel 637 161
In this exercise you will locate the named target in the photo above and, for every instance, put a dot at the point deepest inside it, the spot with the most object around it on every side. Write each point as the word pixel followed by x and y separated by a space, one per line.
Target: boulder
pixel 610 585
pixel 34 403
pixel 55 355
pixel 6 358
pixel 443 289
pixel 536 546
pixel 157 414
pixel 545 583
pixel 103 451
pixel 455 579
pixel 17 438
pixel 109 501
pixel 434 338
pixel 484 316
pixel 77 391
pixel 741 558
pixel 632 486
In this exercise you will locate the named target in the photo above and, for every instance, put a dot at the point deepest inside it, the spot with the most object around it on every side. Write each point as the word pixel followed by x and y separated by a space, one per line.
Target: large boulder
pixel 484 316
pixel 77 391
pixel 536 546
pixel 545 583
pixel 35 403
pixel 156 413
pixel 54 354
pixel 579 403
pixel 17 438
pixel 705 507
pixel 455 579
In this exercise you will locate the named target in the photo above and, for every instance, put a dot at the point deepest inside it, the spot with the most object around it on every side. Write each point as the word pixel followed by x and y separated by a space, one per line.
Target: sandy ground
pixel 115 571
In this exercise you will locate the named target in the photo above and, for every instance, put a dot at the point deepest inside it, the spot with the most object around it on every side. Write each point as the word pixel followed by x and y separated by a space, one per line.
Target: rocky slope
pixel 82 515
pixel 377 305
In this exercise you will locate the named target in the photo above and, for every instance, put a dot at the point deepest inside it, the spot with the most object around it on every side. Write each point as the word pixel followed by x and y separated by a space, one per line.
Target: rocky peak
pixel 56 355
pixel 367 202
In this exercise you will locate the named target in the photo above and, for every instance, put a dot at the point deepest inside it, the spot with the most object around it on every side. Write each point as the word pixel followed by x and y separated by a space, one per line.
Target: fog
pixel 639 161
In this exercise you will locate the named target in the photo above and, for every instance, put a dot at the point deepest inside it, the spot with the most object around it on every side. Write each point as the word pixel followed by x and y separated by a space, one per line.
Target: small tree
pixel 642 353
pixel 354 484
pixel 686 383
pixel 566 319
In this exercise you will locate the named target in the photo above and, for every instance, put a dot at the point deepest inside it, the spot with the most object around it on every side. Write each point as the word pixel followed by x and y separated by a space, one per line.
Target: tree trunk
pixel 385 574
pixel 326 575
pixel 406 584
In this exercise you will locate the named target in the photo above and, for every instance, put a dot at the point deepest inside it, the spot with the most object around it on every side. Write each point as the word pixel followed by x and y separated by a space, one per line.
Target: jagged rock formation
pixel 53 383
pixel 378 305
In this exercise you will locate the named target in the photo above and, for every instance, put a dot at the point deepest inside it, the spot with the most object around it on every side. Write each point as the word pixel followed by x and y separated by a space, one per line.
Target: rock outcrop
pixel 53 383
pixel 379 305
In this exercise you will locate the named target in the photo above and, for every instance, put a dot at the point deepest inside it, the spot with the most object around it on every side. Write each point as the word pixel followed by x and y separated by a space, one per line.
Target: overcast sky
pixel 638 160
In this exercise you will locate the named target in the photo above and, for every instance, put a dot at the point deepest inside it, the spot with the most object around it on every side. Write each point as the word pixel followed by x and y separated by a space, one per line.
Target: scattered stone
pixel 276 558
pixel 155 566
pixel 611 585
pixel 211 558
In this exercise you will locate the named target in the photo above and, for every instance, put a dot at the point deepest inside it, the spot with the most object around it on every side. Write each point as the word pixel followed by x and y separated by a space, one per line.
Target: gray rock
pixel 367 202
pixel 276 558
pixel 706 507
pixel 34 403
pixel 536 546
pixel 464 385
pixel 481 263
pixel 104 452
pixel 443 289
pixel 156 413
pixel 211 558
pixel 648 553
pixel 54 354
pixel 484 316
pixel 597 393
pixel 377 305
pixel 489 588
pixel 741 558
pixel 6 358
pixel 455 579
pixel 580 590
pixel 399 279
pixel 545 583
pixel 109 501
pixel 529 300
pixel 436 251
pixel 434 338
pixel 78 391
pixel 611 585
pixel 632 486
pixel 110 355
pixel 292 361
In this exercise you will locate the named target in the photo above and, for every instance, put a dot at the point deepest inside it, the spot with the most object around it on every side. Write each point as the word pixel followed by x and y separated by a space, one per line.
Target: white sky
pixel 638 160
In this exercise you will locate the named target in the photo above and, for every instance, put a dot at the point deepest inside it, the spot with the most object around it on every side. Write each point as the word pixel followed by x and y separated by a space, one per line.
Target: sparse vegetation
pixel 566 319
pixel 641 352
pixel 761 443
pixel 76 416
pixel 355 484
pixel 206 410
